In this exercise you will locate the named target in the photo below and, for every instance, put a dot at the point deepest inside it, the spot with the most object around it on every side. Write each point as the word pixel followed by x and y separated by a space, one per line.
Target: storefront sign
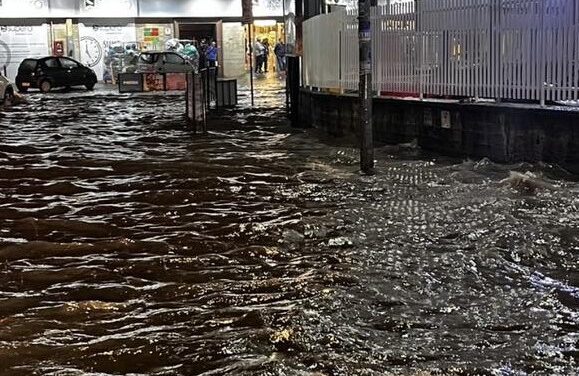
pixel 189 8
pixel 154 36
pixel 140 8
pixel 109 8
pixel 19 8
pixel 267 8
pixel 65 8
pixel 20 42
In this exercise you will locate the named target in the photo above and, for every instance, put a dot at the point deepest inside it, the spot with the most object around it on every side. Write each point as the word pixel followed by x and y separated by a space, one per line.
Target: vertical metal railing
pixel 196 102
pixel 209 79
pixel 523 50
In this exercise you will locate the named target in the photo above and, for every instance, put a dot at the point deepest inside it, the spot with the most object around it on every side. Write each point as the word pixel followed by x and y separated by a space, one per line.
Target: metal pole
pixel 543 70
pixel 287 101
pixel 249 27
pixel 365 90
pixel 247 9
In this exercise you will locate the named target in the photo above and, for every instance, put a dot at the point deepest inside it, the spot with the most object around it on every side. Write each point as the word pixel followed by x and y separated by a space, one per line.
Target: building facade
pixel 104 32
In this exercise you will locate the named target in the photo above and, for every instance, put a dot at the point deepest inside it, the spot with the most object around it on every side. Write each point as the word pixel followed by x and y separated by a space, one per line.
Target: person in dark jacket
pixel 266 56
pixel 280 52
pixel 203 54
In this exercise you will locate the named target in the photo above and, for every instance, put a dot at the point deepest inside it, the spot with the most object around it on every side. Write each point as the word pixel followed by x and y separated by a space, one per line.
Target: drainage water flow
pixel 129 245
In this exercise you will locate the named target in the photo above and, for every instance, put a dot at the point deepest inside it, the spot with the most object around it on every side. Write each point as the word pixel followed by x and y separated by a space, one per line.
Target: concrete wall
pixel 503 132
pixel 233 49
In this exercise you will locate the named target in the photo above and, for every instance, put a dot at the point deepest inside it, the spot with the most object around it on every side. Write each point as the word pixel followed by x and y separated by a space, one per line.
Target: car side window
pixel 174 59
pixel 147 58
pixel 51 63
pixel 68 64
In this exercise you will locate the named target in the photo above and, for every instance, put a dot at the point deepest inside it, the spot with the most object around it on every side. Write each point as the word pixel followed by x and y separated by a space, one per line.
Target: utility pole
pixel 247 19
pixel 365 91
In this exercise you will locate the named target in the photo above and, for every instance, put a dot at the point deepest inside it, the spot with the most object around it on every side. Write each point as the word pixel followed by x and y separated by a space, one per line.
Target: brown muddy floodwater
pixel 128 245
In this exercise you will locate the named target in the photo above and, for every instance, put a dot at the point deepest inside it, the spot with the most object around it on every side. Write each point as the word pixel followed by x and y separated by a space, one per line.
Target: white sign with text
pixel 20 42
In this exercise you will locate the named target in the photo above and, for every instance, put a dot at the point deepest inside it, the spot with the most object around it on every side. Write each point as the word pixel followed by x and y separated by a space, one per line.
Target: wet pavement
pixel 129 245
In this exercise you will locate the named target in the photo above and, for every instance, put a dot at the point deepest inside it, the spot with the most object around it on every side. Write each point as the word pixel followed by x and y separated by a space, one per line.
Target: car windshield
pixel 148 58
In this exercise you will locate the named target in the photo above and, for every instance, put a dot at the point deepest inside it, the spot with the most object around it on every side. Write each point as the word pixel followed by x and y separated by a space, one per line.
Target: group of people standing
pixel 208 54
pixel 262 51
pixel 202 55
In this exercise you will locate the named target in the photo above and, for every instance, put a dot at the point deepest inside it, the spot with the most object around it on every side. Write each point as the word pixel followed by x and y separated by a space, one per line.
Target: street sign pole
pixel 247 8
pixel 365 90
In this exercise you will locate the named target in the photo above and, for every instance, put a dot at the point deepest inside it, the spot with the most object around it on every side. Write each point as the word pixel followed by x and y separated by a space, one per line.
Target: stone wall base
pixel 505 133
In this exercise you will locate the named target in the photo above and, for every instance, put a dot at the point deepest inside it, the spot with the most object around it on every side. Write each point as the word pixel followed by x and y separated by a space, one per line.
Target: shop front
pixel 108 35
pixel 113 48
pixel 270 32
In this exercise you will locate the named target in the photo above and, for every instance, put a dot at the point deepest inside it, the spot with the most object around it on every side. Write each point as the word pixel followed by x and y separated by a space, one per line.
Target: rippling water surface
pixel 129 245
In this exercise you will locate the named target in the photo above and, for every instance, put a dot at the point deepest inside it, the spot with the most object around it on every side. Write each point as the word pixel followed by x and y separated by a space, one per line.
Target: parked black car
pixel 50 72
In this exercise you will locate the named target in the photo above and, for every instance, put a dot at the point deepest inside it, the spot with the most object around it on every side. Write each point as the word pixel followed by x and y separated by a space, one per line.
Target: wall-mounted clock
pixel 91 51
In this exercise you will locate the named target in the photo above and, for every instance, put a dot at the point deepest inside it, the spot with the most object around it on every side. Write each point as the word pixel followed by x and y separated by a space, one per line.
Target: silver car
pixel 6 90
pixel 163 62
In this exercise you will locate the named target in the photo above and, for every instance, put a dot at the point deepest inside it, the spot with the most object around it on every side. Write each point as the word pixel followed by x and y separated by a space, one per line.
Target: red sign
pixel 58 48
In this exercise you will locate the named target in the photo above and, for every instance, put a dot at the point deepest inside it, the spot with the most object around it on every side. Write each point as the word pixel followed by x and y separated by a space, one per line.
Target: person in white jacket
pixel 259 52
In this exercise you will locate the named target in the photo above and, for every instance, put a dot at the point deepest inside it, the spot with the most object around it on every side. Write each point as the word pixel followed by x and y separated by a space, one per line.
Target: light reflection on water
pixel 129 245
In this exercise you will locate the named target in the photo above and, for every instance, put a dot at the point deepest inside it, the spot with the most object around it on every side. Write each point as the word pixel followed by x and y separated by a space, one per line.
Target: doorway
pixel 271 31
pixel 198 32
pixel 203 32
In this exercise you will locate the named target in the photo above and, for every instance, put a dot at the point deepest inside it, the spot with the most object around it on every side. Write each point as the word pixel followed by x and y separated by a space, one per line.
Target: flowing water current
pixel 129 245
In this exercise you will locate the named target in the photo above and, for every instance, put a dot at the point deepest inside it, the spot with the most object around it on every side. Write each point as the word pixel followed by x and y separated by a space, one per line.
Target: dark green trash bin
pixel 226 93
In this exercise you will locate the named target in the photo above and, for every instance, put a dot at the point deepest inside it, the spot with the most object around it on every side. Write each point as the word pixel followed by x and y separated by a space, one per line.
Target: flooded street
pixel 129 245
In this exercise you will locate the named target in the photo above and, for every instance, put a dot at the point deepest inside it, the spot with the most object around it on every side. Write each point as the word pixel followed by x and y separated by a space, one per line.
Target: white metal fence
pixel 510 49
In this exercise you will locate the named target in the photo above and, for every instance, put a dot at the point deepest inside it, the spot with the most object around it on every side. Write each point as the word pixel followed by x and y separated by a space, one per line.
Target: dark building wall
pixel 503 133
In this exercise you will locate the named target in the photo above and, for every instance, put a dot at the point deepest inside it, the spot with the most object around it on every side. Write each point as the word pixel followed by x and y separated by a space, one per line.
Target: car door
pixel 73 73
pixel 174 63
pixel 52 70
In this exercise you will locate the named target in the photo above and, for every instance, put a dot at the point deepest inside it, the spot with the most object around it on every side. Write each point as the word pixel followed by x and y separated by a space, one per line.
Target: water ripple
pixel 129 245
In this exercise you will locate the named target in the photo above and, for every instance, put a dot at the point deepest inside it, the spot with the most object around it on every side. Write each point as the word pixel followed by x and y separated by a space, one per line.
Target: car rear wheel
pixel 22 89
pixel 45 86
pixel 89 85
